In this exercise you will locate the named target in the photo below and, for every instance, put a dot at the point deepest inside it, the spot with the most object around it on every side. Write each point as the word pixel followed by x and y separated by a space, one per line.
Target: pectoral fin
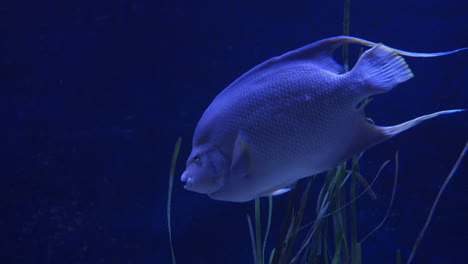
pixel 241 164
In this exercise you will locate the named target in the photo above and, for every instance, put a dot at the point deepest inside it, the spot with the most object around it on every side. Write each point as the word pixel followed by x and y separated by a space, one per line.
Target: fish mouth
pixel 187 179
pixel 198 183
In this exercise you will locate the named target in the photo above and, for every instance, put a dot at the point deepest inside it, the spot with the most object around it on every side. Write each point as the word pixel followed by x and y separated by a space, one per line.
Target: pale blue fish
pixel 291 117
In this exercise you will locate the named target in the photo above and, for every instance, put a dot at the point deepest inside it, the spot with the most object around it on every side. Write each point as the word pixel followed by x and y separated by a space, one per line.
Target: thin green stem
pixel 434 205
pixel 169 194
pixel 270 212
pixel 258 231
pixel 352 196
pixel 346 22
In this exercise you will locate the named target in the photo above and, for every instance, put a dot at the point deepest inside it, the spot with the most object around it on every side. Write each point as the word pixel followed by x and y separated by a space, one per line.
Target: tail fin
pixel 381 68
pixel 394 130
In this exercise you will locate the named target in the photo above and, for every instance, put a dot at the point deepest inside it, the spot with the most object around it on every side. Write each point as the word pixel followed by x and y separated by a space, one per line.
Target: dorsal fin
pixel 319 52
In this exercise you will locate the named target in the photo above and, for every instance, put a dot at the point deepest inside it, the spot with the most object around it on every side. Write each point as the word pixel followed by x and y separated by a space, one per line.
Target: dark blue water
pixel 95 93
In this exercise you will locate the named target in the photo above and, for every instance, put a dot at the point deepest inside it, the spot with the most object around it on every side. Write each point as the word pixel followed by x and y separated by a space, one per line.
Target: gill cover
pixel 205 172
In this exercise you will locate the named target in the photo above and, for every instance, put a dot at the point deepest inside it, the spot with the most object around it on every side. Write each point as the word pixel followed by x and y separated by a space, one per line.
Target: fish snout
pixel 185 177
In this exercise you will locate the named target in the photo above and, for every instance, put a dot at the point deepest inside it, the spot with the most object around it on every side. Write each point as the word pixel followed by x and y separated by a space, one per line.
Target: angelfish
pixel 291 117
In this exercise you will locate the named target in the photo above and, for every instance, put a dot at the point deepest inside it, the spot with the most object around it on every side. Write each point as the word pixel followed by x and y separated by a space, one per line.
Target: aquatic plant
pixel 169 193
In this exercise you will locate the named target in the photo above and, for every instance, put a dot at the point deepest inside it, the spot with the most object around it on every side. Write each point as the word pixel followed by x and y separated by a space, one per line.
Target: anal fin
pixel 366 134
pixel 394 130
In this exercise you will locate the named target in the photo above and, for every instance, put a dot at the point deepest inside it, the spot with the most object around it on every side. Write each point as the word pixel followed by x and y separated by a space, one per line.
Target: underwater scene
pixel 234 132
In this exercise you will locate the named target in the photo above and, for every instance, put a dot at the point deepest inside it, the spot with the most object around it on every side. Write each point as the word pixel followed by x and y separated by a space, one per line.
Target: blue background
pixel 95 93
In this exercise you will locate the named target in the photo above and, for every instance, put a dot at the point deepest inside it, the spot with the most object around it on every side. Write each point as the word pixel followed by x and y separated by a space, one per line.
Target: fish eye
pixel 196 159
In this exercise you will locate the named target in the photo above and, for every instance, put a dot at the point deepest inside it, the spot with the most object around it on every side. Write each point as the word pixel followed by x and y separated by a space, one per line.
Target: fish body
pixel 291 117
